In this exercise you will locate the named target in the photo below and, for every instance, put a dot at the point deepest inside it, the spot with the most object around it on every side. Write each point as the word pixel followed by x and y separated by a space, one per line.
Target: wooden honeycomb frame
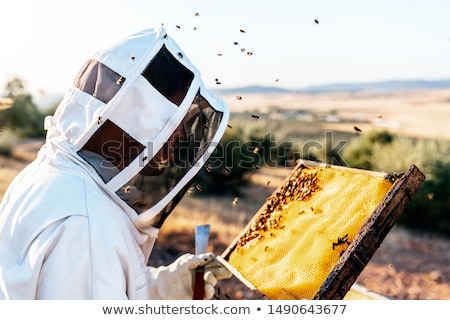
pixel 369 238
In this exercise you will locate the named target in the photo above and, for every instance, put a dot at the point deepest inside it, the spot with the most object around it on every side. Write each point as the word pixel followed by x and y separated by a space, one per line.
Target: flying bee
pixel 254 116
pixel 276 80
pixel 255 166
pixel 229 126
pixel 236 43
pixel 316 21
pixel 144 159
pixel 199 188
pixel 242 31
pixel 341 240
pixel 99 120
pixel 242 49
pixel 256 150
pixel 357 129
pixel 239 97
pixel 180 55
pixel 235 201
pixel 190 190
pixel 132 58
pixel 219 54
pixel 178 27
pixel 249 53
pixel 127 189
pixel 197 14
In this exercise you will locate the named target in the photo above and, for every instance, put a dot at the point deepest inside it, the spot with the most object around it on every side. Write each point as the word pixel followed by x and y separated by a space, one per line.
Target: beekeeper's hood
pixel 141 99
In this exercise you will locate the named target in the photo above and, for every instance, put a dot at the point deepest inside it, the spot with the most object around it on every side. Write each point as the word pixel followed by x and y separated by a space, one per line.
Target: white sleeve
pixel 68 271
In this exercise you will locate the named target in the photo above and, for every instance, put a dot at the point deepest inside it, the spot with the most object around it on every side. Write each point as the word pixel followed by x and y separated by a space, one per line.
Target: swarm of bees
pixel 299 186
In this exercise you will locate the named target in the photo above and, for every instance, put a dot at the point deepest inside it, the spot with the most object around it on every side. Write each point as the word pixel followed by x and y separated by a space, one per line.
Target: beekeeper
pixel 121 150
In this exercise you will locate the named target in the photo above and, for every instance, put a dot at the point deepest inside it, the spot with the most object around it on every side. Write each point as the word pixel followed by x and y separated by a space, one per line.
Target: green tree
pixel 24 117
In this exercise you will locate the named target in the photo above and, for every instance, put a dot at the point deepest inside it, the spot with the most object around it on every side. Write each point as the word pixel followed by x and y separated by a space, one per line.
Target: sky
pixel 294 43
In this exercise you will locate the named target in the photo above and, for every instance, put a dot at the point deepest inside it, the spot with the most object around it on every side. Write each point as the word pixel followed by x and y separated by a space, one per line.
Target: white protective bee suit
pixel 76 225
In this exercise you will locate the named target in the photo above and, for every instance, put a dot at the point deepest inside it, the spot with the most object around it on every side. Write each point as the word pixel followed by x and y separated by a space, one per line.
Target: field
pixel 419 113
pixel 407 265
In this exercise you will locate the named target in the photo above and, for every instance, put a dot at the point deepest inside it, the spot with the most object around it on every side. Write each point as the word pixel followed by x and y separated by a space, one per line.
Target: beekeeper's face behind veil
pixel 142 122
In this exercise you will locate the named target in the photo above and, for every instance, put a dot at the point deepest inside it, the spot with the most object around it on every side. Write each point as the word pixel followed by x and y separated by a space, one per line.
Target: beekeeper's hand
pixel 175 281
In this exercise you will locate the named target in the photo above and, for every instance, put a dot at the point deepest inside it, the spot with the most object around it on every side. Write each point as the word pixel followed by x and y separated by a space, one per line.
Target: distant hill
pixel 382 87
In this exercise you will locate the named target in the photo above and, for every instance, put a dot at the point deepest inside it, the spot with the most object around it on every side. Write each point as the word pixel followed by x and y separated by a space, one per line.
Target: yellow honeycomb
pixel 297 237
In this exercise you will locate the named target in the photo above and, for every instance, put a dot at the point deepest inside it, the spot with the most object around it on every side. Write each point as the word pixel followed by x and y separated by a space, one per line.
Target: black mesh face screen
pixel 98 80
pixel 167 75
pixel 200 125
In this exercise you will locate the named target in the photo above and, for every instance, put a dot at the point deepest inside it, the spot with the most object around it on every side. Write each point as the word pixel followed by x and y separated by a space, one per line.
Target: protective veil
pixel 86 216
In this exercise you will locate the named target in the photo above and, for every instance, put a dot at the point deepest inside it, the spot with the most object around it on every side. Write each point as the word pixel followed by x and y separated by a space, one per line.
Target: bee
pixel 144 159
pixel 379 116
pixel 229 126
pixel 254 116
pixel 341 240
pixel 242 31
pixel 199 188
pixel 120 81
pixel 190 190
pixel 235 201
pixel 242 49
pixel 255 166
pixel 197 14
pixel 256 150
pixel 178 27
pixel 236 43
pixel 219 54
pixel 276 80
pixel 265 249
pixel 195 28
pixel 218 82
pixel 228 170
pixel 132 58
pixel 357 129
pixel 165 36
pixel 127 189
pixel 239 97
pixel 180 55
pixel 392 177
pixel 249 53
pixel 99 120
pixel 268 182
pixel 316 21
